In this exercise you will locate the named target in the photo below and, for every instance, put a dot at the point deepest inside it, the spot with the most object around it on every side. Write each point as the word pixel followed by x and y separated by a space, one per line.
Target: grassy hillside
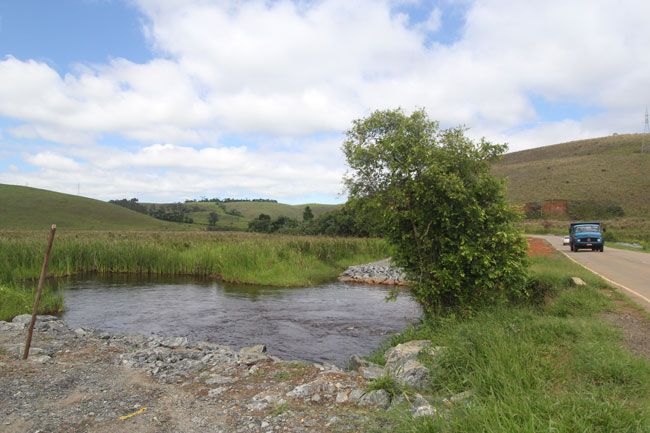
pixel 610 169
pixel 25 208
pixel 251 210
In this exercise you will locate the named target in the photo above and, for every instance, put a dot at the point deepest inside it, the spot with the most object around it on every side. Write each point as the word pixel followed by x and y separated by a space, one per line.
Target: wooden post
pixel 39 290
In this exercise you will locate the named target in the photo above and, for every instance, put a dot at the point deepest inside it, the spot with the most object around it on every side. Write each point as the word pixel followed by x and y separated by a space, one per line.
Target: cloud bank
pixel 252 97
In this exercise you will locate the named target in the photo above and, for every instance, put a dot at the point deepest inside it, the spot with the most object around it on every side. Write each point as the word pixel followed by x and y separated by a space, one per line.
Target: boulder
pixel 322 385
pixel 402 363
pixel 371 372
pixel 577 282
pixel 253 355
pixel 379 398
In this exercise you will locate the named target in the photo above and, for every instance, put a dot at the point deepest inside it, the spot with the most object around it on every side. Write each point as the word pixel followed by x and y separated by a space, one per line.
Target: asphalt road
pixel 629 270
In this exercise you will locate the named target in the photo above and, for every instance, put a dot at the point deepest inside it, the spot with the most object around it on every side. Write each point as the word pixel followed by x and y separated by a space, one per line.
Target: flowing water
pixel 326 323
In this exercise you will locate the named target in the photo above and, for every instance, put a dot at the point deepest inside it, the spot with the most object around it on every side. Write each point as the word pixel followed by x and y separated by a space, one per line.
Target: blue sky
pixel 168 100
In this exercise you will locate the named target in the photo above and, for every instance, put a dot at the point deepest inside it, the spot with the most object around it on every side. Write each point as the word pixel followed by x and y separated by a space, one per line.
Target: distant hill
pixel 607 169
pixel 24 208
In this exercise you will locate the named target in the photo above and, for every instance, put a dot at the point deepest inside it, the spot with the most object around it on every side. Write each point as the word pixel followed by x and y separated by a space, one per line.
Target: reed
pixel 234 257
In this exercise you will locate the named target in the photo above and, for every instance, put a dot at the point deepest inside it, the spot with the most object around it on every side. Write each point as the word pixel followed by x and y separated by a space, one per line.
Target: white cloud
pixel 285 70
pixel 52 161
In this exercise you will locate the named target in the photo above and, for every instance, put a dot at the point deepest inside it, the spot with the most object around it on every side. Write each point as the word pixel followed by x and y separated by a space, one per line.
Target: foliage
pixel 444 212
pixel 213 217
pixel 589 209
pixel 307 214
pixel 386 383
pixel 558 367
pixel 132 204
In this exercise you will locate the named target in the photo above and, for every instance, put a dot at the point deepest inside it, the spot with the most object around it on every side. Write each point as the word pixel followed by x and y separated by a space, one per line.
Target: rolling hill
pixel 606 169
pixel 24 208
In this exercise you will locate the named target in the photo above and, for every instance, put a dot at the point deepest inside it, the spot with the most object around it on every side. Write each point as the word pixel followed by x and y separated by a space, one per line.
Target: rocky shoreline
pixel 79 380
pixel 381 272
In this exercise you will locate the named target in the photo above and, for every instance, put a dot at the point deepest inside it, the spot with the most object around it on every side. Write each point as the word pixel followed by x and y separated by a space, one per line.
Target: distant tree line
pixel 230 200
pixel 175 212
pixel 352 219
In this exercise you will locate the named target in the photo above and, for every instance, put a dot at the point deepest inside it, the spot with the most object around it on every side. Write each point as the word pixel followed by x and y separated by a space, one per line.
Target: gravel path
pixel 82 381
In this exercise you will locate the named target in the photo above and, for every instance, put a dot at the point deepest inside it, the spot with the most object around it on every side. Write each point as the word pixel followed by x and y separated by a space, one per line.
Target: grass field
pixel 234 257
pixel 601 169
pixel 555 367
pixel 24 208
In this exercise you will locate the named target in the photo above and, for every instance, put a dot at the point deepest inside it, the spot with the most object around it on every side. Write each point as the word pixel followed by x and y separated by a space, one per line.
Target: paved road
pixel 629 270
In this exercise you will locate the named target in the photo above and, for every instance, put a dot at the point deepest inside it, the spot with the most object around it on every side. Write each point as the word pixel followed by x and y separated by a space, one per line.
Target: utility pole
pixel 646 132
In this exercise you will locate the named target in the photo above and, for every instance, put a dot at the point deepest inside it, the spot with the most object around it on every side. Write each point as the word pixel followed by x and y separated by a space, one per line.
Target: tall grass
pixel 15 300
pixel 557 367
pixel 234 257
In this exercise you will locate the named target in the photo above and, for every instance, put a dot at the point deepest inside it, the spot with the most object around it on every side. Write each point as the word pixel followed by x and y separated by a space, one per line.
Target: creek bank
pixel 380 272
pixel 79 380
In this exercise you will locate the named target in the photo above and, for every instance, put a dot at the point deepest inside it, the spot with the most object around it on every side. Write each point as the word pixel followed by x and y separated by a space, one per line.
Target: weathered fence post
pixel 39 290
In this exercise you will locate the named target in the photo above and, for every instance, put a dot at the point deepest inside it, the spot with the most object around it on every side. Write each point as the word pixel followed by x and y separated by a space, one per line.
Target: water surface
pixel 324 323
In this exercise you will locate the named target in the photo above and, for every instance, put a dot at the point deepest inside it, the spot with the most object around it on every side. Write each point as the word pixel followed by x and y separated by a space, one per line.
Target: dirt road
pixel 628 270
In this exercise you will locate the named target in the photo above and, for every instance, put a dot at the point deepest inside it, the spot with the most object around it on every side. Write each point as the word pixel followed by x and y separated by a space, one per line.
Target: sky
pixel 167 100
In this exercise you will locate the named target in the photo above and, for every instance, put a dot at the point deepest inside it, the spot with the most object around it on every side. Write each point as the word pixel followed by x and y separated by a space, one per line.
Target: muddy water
pixel 327 323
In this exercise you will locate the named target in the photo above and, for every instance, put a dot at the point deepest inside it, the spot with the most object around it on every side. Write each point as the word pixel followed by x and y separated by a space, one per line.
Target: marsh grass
pixel 233 257
pixel 556 367
pixel 15 300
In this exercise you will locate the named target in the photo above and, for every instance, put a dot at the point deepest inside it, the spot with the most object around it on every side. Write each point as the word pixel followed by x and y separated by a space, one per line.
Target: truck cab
pixel 586 235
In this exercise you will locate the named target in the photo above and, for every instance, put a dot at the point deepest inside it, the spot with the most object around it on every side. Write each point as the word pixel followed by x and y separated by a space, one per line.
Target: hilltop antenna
pixel 646 132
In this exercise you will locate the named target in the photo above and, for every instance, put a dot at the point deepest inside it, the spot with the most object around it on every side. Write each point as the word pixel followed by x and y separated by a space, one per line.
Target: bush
pixel 444 212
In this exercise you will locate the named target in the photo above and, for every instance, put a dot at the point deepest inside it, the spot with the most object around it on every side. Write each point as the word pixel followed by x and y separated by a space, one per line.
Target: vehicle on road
pixel 566 240
pixel 586 235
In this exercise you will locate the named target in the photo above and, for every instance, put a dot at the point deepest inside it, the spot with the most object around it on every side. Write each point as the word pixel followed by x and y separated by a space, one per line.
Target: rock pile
pixel 381 272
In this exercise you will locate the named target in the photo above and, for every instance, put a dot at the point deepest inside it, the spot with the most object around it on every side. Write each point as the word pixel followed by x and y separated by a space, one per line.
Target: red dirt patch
pixel 539 247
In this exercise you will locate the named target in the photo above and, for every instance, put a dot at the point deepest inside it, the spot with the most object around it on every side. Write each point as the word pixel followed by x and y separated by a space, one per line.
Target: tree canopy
pixel 440 207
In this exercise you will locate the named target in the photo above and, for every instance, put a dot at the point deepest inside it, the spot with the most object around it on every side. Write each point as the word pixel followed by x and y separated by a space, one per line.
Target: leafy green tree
pixel 213 217
pixel 261 224
pixel 444 212
pixel 307 214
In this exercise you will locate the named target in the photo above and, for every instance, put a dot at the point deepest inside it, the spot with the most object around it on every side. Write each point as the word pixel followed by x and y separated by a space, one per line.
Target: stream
pixel 326 323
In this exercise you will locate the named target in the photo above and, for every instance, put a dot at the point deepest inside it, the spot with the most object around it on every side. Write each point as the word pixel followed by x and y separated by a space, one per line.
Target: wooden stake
pixel 39 290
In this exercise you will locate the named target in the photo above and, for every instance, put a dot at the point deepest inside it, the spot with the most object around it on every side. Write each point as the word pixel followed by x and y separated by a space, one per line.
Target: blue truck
pixel 586 235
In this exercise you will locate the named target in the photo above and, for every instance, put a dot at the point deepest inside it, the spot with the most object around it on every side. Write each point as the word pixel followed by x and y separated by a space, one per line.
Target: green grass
pixel 25 208
pixel 600 169
pixel 16 300
pixel 233 257
pixel 554 367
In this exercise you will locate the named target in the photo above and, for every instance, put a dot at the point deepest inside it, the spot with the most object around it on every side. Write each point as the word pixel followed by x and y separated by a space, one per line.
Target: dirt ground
pixel 539 247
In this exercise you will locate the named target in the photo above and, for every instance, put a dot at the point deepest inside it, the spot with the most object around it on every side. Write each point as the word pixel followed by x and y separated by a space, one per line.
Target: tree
pixel 261 224
pixel 213 217
pixel 307 214
pixel 444 212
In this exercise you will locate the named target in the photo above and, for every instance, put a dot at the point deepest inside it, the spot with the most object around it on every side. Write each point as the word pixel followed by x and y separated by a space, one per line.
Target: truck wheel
pixel 602 248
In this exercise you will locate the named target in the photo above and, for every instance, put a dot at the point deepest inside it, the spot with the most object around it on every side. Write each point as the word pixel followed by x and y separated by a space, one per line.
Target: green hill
pixel 24 208
pixel 605 170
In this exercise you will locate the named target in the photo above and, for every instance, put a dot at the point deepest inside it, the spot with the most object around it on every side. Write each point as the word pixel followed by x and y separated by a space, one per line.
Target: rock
pixel 253 355
pixel 262 400
pixel 41 359
pixel 216 391
pixel 27 318
pixel 405 351
pixel 174 342
pixel 80 332
pixel 577 282
pixel 342 396
pixel 322 385
pixel 371 372
pixel 421 407
pixel 216 379
pixel 402 363
pixel 379 398
pixel 424 410
pixel 356 362
pixel 461 397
